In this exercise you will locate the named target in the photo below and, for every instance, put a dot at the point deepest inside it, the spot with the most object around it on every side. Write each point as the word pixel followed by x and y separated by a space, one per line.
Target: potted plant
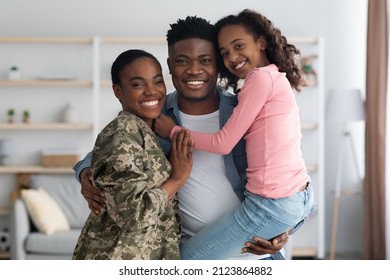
pixel 11 114
pixel 26 116
pixel 309 74
pixel 14 73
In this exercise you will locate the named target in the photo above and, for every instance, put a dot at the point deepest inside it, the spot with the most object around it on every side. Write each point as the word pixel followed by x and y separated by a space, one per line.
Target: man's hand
pixel 92 195
pixel 260 246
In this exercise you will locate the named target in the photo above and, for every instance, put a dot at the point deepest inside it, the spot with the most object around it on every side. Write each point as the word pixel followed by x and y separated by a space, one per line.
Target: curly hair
pixel 278 50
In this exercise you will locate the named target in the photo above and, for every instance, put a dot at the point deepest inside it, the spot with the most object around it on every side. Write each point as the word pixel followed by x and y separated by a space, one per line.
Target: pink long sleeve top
pixel 267 115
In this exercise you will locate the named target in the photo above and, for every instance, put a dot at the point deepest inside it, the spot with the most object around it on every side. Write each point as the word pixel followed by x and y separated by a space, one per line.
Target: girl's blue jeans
pixel 256 216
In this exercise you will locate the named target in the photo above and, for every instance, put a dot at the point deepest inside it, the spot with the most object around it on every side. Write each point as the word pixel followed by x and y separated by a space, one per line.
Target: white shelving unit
pixel 309 241
pixel 44 98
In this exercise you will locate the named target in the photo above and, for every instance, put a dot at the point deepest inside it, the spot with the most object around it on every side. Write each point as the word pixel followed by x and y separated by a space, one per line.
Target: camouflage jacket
pixel 139 221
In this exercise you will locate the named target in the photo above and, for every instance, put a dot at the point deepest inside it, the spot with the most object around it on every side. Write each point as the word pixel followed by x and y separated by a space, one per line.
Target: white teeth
pixel 150 103
pixel 195 82
pixel 239 65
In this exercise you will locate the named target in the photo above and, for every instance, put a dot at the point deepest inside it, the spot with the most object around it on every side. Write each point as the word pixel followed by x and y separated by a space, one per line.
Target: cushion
pixel 66 191
pixel 45 213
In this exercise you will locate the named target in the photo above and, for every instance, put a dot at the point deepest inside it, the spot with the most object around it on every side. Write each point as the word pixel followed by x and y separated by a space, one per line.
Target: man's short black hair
pixel 191 27
pixel 194 27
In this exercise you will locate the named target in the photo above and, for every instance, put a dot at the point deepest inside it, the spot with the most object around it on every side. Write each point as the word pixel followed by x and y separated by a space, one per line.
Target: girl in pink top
pixel 278 196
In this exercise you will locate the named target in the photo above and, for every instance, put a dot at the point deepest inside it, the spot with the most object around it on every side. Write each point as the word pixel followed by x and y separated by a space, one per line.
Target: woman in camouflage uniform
pixel 141 220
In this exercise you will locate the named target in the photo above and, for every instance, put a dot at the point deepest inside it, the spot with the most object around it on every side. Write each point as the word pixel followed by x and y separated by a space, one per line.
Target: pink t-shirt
pixel 267 115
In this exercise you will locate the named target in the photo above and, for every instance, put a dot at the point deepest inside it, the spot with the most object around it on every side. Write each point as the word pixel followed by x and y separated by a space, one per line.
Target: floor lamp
pixel 345 107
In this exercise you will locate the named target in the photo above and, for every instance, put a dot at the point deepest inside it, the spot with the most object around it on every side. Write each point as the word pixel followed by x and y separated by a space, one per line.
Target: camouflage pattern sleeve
pixel 140 222
pixel 130 166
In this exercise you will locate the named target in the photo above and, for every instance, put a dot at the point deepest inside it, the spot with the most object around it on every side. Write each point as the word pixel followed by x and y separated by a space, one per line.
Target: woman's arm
pixel 119 169
pixel 122 170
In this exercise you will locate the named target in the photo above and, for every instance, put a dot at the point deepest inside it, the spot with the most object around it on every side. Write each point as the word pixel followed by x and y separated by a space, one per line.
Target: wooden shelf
pixel 84 40
pixel 117 40
pixel 303 40
pixel 133 40
pixel 4 211
pixel 46 83
pixel 309 125
pixel 304 252
pixel 19 169
pixel 45 126
pixel 4 255
pixel 46 40
pixel 350 191
pixel 312 167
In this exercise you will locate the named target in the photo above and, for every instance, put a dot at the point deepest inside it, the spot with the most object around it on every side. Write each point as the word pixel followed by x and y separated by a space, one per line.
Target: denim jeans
pixel 256 216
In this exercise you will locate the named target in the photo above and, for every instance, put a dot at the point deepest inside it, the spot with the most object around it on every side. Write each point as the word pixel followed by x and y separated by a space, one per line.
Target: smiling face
pixel 240 52
pixel 192 64
pixel 142 89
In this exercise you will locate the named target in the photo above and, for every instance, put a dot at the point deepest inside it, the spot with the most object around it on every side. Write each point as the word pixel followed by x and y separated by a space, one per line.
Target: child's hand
pixel 163 125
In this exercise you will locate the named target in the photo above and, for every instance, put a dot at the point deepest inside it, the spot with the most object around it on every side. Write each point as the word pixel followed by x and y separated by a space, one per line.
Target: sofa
pixel 47 218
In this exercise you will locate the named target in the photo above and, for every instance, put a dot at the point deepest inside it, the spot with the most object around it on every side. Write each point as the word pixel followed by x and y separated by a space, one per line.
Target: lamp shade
pixel 345 105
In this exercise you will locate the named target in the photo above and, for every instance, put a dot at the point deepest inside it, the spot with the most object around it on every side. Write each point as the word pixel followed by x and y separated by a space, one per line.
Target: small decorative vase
pixel 10 115
pixel 26 116
pixel 14 74
pixel 70 114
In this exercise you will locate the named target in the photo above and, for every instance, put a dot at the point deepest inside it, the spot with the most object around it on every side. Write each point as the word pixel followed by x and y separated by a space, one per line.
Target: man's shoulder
pixel 227 97
pixel 171 97
pixel 170 101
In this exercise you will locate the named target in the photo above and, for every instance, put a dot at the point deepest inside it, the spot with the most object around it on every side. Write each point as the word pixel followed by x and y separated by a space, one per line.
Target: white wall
pixel 341 23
